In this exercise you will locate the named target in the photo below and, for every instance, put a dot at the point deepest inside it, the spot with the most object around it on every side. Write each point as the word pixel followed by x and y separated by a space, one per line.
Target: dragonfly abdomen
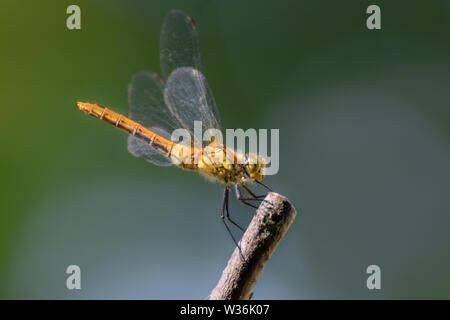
pixel 122 122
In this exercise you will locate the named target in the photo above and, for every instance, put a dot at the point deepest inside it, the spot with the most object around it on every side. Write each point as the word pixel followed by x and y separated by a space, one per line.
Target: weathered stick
pixel 264 233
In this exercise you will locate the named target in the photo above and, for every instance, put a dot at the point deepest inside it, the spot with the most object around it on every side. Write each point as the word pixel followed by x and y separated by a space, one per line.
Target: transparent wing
pixel 146 106
pixel 189 98
pixel 141 149
pixel 185 98
pixel 146 102
pixel 179 43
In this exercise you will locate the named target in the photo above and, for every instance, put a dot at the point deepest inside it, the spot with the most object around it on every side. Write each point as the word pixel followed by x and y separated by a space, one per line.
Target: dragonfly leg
pixel 256 198
pixel 244 200
pixel 264 185
pixel 261 197
pixel 227 215
pixel 254 180
pixel 226 200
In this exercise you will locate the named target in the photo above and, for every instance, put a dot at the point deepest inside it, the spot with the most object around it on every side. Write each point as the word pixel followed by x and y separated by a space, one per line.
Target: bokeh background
pixel 364 126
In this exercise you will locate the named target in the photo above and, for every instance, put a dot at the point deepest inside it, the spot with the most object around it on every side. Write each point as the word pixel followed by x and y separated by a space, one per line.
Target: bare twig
pixel 268 227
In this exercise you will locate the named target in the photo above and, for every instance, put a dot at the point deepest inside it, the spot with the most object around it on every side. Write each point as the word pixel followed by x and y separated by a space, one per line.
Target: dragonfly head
pixel 255 165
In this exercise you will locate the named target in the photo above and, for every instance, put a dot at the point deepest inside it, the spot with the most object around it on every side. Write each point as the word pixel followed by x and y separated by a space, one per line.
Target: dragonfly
pixel 159 105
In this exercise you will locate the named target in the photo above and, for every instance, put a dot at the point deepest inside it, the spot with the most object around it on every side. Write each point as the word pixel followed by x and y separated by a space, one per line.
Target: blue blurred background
pixel 364 155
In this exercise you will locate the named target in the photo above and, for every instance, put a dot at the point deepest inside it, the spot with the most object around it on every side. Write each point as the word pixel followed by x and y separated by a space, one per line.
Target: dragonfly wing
pixel 141 149
pixel 189 98
pixel 146 102
pixel 179 43
pixel 146 106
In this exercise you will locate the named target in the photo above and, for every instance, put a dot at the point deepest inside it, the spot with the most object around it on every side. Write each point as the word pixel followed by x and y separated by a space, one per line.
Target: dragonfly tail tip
pixel 83 106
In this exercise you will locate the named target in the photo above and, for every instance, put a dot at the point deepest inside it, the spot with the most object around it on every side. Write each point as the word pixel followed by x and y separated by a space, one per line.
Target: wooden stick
pixel 264 233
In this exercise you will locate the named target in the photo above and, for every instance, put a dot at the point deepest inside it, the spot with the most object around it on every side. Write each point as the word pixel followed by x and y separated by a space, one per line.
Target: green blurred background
pixel 364 126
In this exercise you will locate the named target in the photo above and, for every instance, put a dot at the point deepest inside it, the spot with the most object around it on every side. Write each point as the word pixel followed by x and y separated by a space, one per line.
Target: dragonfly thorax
pixel 226 165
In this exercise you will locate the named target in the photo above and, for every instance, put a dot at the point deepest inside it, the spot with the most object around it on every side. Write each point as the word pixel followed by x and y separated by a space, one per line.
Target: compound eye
pixel 253 167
